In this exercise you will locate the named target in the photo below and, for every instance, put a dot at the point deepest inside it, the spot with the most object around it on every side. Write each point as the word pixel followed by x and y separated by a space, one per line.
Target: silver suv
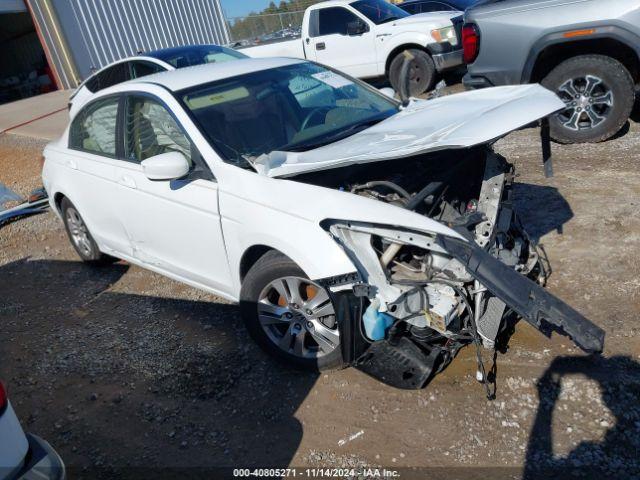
pixel 587 51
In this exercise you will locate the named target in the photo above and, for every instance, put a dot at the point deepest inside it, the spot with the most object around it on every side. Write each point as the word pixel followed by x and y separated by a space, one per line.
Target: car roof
pixel 182 78
pixel 171 51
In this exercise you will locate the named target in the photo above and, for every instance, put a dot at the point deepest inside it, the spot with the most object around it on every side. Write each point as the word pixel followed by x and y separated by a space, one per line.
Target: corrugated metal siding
pixel 108 30
pixel 94 33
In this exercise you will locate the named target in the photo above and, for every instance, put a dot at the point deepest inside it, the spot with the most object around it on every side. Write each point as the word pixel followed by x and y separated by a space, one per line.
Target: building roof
pixel 191 76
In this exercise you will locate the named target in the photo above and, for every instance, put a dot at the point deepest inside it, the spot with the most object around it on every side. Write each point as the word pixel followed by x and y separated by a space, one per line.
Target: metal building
pixel 77 37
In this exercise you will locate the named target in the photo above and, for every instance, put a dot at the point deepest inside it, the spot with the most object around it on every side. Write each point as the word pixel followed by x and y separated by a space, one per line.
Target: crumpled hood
pixel 455 121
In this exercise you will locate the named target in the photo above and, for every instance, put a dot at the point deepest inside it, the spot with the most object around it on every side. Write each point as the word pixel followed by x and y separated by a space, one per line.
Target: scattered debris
pixel 350 438
pixel 37 202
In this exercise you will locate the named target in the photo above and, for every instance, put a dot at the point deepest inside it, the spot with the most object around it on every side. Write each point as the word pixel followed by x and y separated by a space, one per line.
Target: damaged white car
pixel 353 230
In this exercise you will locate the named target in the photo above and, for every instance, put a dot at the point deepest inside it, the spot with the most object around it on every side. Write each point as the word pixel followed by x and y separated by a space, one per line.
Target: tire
pixel 599 93
pixel 278 327
pixel 80 236
pixel 422 72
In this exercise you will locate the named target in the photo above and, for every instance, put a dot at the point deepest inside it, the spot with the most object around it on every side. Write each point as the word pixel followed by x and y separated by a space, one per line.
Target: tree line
pixel 287 14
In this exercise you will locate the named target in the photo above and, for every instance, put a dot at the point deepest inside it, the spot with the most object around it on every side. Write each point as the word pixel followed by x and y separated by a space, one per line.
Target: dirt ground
pixel 120 368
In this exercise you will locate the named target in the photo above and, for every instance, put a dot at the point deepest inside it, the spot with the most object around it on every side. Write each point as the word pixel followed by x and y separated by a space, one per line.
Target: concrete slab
pixel 47 128
pixel 35 116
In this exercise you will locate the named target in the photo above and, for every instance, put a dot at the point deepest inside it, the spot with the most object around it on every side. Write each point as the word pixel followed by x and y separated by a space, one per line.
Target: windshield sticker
pixel 204 101
pixel 332 79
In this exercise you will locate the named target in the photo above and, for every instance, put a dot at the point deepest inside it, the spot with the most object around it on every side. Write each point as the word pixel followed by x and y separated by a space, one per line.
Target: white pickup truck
pixel 367 38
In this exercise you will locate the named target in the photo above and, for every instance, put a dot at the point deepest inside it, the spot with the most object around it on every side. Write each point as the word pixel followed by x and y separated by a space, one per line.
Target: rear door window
pixel 94 128
pixel 141 68
pixel 111 76
pixel 334 20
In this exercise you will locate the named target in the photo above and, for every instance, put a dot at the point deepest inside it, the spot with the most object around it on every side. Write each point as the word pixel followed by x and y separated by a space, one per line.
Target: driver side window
pixel 334 20
pixel 151 130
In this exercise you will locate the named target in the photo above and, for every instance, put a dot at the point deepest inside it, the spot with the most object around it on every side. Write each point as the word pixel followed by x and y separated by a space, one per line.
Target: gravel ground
pixel 121 368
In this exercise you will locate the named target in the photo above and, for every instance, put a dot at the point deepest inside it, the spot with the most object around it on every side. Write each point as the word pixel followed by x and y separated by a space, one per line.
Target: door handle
pixel 72 164
pixel 127 181
pixel 321 46
pixel 307 40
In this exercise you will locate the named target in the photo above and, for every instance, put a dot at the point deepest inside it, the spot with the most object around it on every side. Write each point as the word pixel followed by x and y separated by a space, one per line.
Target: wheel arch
pixel 551 50
pixel 400 48
pixel 251 256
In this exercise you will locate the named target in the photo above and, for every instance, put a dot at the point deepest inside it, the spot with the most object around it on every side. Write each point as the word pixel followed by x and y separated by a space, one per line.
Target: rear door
pixel 89 172
pixel 174 226
pixel 332 45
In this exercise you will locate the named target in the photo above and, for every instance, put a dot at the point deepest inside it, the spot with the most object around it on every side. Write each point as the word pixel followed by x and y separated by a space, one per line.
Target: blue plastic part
pixel 376 323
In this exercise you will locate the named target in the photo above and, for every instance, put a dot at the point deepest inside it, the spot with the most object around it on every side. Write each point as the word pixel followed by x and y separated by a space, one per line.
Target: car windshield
pixel 379 11
pixel 292 108
pixel 196 55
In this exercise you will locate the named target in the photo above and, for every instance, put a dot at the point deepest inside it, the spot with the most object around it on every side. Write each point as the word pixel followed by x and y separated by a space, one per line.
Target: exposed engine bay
pixel 425 295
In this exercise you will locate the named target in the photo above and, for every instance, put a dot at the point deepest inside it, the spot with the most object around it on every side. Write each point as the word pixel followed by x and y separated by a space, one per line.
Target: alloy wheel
pixel 298 317
pixel 79 232
pixel 589 101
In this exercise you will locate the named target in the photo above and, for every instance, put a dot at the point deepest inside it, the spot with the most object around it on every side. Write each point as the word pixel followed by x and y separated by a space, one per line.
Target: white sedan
pixel 351 229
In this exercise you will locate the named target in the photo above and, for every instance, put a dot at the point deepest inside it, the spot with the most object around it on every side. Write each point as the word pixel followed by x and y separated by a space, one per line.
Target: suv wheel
pixel 289 316
pixel 422 72
pixel 599 94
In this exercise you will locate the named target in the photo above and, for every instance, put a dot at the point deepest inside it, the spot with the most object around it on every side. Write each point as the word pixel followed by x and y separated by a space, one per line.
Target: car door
pixel 174 226
pixel 89 178
pixel 331 44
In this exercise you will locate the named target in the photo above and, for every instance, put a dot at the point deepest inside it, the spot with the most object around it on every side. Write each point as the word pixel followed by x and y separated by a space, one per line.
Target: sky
pixel 239 8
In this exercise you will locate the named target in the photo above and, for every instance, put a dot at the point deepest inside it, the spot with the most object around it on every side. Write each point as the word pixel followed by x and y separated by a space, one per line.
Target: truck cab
pixel 367 38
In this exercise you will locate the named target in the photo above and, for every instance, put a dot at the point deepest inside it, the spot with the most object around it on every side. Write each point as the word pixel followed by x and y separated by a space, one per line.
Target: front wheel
pixel 289 316
pixel 599 94
pixel 422 72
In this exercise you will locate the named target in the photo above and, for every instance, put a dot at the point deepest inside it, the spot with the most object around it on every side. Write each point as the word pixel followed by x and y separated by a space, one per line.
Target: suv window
pixel 435 7
pixel 111 76
pixel 94 128
pixel 151 130
pixel 412 8
pixel 335 20
pixel 141 68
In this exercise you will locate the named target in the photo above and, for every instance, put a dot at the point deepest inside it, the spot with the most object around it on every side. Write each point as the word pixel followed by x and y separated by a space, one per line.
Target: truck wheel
pixel 599 94
pixel 289 316
pixel 422 72
pixel 80 237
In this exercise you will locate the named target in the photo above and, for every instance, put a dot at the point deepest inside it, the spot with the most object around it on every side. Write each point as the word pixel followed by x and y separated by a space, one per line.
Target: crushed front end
pixel 425 294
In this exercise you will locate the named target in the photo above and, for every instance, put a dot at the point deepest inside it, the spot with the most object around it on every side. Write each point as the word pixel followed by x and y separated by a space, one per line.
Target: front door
pixel 174 226
pixel 332 45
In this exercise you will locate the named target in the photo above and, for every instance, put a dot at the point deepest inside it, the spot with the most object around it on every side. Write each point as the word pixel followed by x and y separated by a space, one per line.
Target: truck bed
pixel 287 48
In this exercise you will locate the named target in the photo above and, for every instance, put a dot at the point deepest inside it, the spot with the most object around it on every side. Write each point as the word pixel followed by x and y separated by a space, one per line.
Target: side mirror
pixel 166 166
pixel 357 27
pixel 388 91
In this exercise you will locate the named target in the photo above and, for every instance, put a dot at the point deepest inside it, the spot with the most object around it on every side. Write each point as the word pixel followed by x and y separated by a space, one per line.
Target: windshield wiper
pixel 342 134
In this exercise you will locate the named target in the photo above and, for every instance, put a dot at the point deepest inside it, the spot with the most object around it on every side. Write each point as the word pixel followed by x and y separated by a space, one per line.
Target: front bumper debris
pixel 528 299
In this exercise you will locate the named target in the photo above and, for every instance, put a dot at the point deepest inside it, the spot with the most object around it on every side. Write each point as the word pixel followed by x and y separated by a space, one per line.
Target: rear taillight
pixel 3 398
pixel 470 42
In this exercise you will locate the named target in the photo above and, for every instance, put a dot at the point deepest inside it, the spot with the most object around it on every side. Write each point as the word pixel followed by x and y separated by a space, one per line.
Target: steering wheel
pixel 311 114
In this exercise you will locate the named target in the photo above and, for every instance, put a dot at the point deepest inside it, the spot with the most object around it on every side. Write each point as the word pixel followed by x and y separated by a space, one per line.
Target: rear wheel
pixel 422 72
pixel 599 94
pixel 80 237
pixel 289 316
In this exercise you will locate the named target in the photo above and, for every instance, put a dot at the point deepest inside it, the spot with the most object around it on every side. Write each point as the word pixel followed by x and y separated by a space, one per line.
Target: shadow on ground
pixel 542 209
pixel 123 384
pixel 616 455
